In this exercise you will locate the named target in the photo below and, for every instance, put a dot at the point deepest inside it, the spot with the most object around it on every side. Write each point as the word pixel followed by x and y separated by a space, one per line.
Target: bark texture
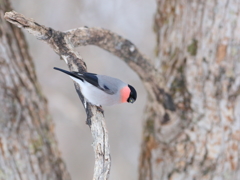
pixel 198 54
pixel 161 105
pixel 28 149
pixel 192 123
pixel 62 45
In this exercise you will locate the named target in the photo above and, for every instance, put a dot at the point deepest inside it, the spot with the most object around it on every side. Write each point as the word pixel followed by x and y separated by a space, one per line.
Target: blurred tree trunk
pixel 198 50
pixel 28 149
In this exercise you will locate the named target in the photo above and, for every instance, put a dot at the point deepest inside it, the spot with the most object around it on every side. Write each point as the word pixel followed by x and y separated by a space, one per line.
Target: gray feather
pixel 110 85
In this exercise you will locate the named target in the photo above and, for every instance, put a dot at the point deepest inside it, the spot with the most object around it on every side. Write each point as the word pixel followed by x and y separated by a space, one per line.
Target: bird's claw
pixel 100 109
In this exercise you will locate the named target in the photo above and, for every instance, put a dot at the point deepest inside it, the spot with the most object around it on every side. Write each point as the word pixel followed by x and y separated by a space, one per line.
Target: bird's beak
pixel 132 100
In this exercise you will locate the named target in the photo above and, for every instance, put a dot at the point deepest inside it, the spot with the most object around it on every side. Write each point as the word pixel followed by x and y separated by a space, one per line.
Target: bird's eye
pixel 131 100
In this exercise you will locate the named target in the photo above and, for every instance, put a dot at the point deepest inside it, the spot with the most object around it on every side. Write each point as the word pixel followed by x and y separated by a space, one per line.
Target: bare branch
pixel 160 102
pixel 115 44
pixel 124 49
pixel 120 47
pixel 95 118
pixel 127 51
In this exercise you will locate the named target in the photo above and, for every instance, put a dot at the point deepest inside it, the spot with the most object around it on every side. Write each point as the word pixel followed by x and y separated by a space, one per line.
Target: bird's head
pixel 128 94
pixel 132 95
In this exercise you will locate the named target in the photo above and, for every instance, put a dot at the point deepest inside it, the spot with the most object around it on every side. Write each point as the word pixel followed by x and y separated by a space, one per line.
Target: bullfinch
pixel 101 90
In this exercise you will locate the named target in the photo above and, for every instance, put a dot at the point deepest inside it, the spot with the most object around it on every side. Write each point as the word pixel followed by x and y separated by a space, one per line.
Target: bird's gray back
pixel 109 84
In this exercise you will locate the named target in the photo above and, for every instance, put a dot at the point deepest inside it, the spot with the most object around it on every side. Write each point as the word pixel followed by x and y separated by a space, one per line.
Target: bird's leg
pixel 100 109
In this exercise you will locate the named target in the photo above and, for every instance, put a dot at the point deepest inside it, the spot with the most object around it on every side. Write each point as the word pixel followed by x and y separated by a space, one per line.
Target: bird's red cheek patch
pixel 125 92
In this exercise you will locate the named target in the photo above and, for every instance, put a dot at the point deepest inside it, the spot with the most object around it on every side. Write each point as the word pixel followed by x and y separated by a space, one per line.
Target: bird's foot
pixel 100 109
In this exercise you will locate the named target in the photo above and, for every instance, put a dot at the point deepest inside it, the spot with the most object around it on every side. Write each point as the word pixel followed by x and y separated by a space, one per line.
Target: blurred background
pixel 132 19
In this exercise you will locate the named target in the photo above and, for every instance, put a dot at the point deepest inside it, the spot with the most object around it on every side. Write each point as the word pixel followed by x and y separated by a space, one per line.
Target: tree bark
pixel 62 44
pixel 28 148
pixel 192 124
pixel 198 54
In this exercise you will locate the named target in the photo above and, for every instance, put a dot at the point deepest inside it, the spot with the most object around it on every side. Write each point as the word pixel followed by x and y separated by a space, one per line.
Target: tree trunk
pixel 198 53
pixel 28 149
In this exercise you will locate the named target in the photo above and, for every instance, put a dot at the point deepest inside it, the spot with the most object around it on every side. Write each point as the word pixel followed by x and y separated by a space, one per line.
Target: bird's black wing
pixel 90 78
pixel 93 79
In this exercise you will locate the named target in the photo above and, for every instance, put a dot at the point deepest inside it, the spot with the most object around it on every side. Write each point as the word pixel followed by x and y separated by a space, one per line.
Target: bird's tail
pixel 72 74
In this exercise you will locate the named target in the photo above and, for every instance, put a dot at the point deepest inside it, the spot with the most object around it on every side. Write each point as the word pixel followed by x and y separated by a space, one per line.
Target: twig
pixel 95 119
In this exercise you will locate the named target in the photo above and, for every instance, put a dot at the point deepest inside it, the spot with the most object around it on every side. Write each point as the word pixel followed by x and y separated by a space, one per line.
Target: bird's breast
pixel 98 97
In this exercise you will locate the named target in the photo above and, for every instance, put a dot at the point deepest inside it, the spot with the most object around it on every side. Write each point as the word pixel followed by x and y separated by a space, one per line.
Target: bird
pixel 102 90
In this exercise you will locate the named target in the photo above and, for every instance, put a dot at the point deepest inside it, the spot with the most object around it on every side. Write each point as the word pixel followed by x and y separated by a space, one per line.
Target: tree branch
pixel 95 119
pixel 153 80
pixel 160 103
pixel 122 48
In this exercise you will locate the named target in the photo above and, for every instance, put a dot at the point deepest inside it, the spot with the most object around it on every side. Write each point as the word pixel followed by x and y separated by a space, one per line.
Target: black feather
pixel 73 74
pixel 88 77
pixel 105 87
pixel 91 78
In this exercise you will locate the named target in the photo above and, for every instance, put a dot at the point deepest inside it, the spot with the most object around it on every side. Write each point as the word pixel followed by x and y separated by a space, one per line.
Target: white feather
pixel 95 95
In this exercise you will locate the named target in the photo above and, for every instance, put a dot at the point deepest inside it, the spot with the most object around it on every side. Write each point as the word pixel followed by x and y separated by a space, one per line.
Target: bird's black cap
pixel 133 95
